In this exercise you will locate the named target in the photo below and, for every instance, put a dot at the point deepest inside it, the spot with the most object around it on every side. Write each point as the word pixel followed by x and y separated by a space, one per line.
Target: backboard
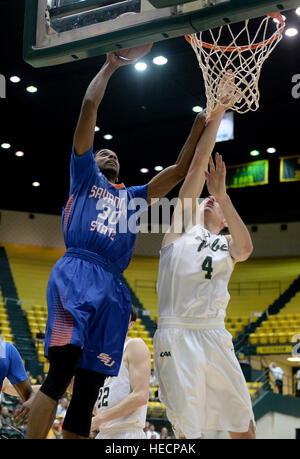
pixel 61 31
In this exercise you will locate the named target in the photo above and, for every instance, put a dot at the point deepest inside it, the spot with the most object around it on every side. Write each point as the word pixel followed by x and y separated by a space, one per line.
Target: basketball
pixel 134 53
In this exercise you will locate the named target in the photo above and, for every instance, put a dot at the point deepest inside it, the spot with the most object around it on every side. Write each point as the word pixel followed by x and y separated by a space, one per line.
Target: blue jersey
pixel 101 217
pixel 11 364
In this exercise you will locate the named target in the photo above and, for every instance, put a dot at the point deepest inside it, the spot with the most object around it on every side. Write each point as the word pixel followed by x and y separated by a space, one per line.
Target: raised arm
pixel 190 191
pixel 85 129
pixel 195 179
pixel 163 182
pixel 240 244
pixel 139 366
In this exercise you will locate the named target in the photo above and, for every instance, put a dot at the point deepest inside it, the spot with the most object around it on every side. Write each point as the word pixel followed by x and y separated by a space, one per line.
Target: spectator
pixel 5 419
pixel 29 375
pixel 40 336
pixel 62 407
pixel 151 433
pixel 39 379
pixel 146 429
pixel 298 383
pixel 153 379
pixel 164 433
pixel 278 375
pixel 57 429
pixel 156 394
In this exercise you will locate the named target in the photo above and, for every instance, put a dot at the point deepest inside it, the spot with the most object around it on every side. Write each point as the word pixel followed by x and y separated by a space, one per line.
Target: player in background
pixel 121 408
pixel 88 305
pixel 200 379
pixel 13 378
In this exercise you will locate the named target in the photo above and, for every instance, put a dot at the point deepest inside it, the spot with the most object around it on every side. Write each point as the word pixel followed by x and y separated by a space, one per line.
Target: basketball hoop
pixel 244 60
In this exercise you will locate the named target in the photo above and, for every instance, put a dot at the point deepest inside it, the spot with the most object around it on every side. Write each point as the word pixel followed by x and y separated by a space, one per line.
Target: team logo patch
pixel 106 359
pixel 165 354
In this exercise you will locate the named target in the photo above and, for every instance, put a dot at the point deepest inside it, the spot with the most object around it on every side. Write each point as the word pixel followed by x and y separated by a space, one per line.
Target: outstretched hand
pixel 228 94
pixel 128 56
pixel 216 178
pixel 22 414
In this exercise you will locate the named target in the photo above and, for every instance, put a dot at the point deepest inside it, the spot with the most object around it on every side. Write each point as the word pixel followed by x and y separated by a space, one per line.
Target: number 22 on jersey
pixel 103 396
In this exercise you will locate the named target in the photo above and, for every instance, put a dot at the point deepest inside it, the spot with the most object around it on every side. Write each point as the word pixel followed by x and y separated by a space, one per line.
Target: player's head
pixel 108 163
pixel 133 317
pixel 212 214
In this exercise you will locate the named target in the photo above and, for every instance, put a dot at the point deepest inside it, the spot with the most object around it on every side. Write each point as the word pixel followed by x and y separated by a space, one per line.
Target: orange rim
pixel 244 48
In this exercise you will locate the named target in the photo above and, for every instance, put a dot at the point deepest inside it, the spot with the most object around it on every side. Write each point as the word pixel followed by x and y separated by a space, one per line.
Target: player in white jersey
pixel 200 379
pixel 122 403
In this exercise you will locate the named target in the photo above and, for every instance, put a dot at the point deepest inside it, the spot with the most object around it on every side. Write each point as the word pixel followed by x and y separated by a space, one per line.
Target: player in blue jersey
pixel 88 305
pixel 14 379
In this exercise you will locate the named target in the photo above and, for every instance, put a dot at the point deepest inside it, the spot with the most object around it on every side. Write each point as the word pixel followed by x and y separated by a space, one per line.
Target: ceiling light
pixel 197 109
pixel 160 60
pixel 5 145
pixel 158 168
pixel 144 170
pixel 254 153
pixel 140 66
pixel 19 153
pixel 36 184
pixel 97 129
pixel 31 89
pixel 15 79
pixel 298 11
pixel 107 136
pixel 291 32
pixel 271 150
pixel 294 359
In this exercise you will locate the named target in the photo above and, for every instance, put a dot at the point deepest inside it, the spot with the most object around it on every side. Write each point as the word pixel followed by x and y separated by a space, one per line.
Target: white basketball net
pixel 245 61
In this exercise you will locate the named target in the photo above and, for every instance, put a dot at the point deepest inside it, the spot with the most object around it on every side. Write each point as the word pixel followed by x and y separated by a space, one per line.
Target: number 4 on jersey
pixel 207 266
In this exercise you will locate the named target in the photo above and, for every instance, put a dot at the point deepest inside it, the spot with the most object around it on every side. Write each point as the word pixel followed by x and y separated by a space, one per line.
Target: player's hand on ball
pixel 129 55
pixel 216 178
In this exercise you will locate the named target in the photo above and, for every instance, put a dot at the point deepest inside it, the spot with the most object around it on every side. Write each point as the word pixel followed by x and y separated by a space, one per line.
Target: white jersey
pixel 116 389
pixel 194 272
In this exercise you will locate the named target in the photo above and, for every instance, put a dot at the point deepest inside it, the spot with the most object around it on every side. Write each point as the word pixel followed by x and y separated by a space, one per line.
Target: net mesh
pixel 245 61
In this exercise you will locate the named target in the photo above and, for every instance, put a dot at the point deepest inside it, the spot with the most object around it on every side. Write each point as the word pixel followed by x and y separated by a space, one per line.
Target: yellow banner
pixel 274 349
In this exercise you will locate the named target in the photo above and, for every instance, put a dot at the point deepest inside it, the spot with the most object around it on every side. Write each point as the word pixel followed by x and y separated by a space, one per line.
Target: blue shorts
pixel 88 306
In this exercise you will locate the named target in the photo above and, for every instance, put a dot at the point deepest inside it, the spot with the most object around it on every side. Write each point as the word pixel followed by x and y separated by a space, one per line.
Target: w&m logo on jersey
pixel 106 359
pixel 215 246
pixel 165 354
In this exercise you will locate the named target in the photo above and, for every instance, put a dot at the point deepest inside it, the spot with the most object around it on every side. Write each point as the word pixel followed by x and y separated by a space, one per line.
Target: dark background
pixel 149 115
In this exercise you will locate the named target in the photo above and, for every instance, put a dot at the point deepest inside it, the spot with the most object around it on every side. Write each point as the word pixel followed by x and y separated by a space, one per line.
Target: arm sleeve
pixel 16 370
pixel 82 168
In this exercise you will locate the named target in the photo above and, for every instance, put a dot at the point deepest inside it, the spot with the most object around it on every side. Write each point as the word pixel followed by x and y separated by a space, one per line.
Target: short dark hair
pixel 133 314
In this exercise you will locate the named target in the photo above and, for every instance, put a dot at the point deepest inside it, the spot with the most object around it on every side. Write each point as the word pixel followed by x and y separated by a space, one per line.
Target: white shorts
pixel 201 381
pixel 133 434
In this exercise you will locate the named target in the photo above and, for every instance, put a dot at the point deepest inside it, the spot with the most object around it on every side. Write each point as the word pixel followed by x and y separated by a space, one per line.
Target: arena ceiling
pixel 149 115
